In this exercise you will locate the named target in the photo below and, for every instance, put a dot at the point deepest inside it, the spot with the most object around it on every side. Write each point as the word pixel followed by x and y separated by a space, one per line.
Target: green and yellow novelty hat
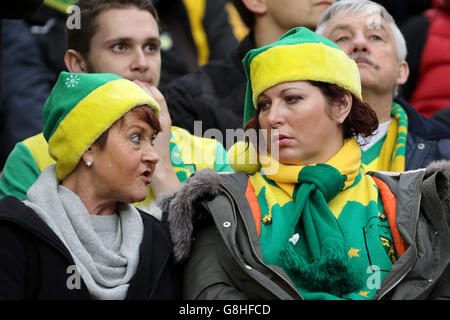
pixel 81 107
pixel 299 54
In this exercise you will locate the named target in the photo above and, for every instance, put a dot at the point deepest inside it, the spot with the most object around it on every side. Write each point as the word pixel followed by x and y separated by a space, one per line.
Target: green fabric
pixel 369 245
pixel 177 161
pixel 369 155
pixel 60 5
pixel 67 93
pixel 312 264
pixel 399 113
pixel 221 161
pixel 344 240
pixel 389 153
pixel 220 164
pixel 19 173
pixel 294 36
pixel 328 268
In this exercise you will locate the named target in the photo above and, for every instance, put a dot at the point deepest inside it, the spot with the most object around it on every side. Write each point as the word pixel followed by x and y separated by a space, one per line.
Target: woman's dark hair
pixel 144 113
pixel 361 121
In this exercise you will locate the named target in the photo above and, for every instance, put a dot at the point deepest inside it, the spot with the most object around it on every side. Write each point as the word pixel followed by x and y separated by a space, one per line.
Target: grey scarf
pixel 106 271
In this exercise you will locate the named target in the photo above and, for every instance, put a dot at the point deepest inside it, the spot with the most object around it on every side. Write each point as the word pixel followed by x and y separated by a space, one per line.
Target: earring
pixel 89 163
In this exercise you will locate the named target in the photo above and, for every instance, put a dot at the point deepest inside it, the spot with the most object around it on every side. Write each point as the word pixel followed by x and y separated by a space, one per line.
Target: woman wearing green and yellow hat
pixel 303 222
pixel 77 236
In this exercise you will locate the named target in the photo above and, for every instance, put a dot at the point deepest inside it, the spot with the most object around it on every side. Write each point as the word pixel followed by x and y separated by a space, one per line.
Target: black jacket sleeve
pixel 13 262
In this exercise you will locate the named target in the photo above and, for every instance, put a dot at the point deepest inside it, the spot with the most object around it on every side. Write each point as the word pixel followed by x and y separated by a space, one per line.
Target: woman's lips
pixel 323 3
pixel 146 176
pixel 147 180
pixel 282 140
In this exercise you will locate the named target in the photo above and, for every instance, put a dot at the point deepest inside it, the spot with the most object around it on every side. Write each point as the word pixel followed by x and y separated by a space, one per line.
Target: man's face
pixel 370 42
pixel 297 13
pixel 126 43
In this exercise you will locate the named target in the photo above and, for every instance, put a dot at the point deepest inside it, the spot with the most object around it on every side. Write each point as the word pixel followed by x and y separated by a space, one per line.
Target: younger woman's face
pixel 296 117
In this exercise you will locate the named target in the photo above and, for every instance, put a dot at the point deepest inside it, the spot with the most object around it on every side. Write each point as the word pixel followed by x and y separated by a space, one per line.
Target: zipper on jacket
pixel 230 194
pixel 381 295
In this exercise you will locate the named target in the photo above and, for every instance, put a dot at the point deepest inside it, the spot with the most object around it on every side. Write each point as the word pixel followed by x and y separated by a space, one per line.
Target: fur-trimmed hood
pixel 443 187
pixel 181 207
pixel 179 210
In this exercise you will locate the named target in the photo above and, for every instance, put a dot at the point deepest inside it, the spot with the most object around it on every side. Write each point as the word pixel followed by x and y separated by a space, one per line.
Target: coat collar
pixel 180 210
pixel 421 126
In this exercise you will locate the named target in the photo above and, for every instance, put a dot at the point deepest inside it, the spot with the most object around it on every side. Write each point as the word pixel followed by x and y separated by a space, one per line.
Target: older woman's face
pixel 123 167
pixel 297 123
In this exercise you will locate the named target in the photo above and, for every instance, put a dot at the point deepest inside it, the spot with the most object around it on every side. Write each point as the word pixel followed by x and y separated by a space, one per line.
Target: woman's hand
pixel 164 178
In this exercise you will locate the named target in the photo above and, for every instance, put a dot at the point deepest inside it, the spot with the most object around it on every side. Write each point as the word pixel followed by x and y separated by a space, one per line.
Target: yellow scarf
pixel 286 175
pixel 391 157
pixel 281 197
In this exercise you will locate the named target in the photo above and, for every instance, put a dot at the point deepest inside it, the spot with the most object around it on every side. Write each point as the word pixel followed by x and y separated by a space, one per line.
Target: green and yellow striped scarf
pixel 325 226
pixel 388 154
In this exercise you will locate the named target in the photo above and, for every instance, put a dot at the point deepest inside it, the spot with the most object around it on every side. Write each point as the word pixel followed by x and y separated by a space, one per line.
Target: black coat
pixel 427 141
pixel 35 264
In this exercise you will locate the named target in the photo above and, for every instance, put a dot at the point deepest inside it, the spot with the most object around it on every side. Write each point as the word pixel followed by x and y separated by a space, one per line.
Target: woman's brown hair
pixel 144 113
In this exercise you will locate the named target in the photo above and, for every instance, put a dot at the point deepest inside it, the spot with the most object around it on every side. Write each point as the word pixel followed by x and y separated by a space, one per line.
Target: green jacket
pixel 212 225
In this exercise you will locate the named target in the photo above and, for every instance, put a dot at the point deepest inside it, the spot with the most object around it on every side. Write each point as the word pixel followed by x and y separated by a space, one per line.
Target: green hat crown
pixel 69 90
pixel 300 54
pixel 81 107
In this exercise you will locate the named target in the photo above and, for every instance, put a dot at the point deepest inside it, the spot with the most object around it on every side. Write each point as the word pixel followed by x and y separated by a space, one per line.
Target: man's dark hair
pixel 80 38
pixel 247 16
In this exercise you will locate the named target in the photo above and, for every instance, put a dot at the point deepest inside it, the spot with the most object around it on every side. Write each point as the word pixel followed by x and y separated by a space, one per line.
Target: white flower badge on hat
pixel 72 80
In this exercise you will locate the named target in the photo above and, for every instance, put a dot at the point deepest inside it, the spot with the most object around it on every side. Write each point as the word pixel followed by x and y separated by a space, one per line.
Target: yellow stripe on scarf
pixel 392 153
pixel 342 161
pixel 347 161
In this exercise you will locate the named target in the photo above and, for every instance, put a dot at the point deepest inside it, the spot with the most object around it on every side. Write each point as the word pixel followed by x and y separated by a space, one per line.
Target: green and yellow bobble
pixel 81 107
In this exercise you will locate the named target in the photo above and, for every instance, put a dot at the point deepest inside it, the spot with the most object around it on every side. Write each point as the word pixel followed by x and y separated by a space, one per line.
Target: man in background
pixel 404 140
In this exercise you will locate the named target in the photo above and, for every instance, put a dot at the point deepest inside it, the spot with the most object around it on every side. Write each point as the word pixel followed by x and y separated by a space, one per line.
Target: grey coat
pixel 213 228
